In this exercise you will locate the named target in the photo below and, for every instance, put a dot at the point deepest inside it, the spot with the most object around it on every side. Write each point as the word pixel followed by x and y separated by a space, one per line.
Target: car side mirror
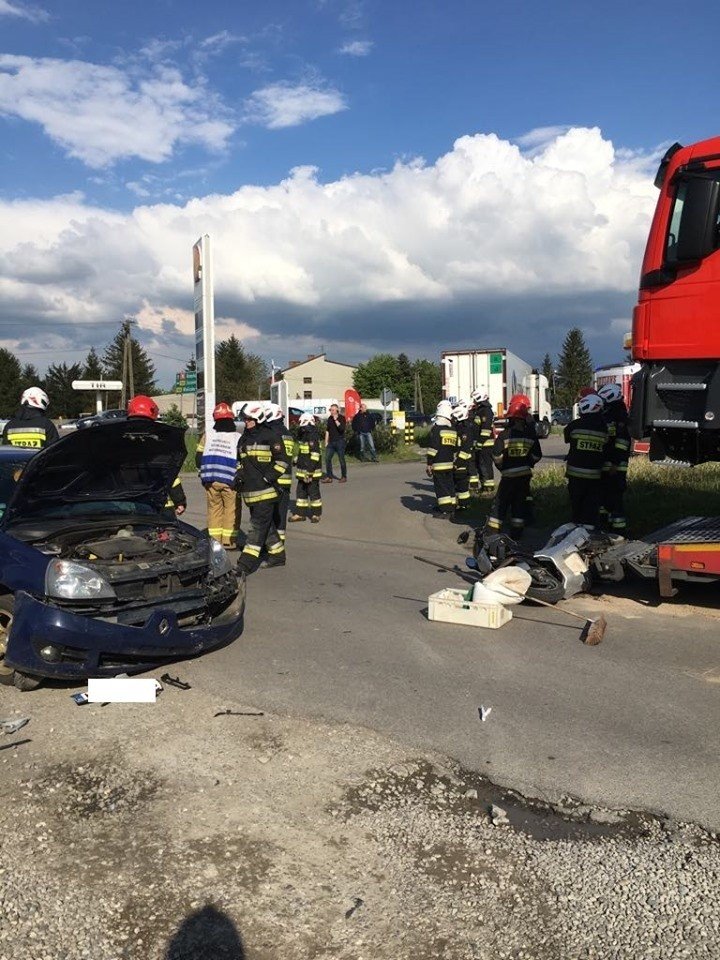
pixel 698 229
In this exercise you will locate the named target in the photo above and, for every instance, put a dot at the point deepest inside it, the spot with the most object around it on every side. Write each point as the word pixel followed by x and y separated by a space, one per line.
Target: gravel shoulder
pixel 166 832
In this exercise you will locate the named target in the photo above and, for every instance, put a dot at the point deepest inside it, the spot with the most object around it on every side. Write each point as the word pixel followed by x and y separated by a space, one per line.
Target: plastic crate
pixel 454 606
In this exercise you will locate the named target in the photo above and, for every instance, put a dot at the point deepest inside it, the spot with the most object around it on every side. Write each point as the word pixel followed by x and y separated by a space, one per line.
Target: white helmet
pixel 273 411
pixel 477 396
pixel 592 403
pixel 238 407
pixel 461 410
pixel 444 409
pixel 35 397
pixel 255 410
pixel 610 392
pixel 307 420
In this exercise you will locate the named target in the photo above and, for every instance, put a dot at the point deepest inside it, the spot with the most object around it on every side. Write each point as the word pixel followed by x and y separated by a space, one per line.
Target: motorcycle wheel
pixel 545 586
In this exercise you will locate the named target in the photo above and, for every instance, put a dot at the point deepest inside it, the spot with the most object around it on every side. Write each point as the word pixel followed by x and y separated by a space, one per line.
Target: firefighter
pixel 218 467
pixel 614 471
pixel 146 408
pixel 308 472
pixel 516 450
pixel 482 416
pixel 524 400
pixel 262 461
pixel 442 447
pixel 275 419
pixel 30 428
pixel 465 474
pixel 588 437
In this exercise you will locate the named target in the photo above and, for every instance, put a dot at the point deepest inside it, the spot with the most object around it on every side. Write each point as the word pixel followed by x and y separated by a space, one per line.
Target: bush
pixel 422 436
pixel 174 417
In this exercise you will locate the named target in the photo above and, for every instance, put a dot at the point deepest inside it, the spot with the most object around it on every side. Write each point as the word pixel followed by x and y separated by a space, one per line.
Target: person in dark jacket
pixel 145 408
pixel 588 437
pixel 262 461
pixel 440 463
pixel 516 450
pixel 482 416
pixel 335 444
pixel 465 475
pixel 308 471
pixel 617 454
pixel 363 424
pixel 275 419
pixel 30 427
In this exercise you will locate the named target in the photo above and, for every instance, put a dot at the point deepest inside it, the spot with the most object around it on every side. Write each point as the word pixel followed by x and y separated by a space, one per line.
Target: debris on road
pixel 175 682
pixel 240 713
pixel 484 712
pixel 498 816
pixel 357 903
pixel 80 698
pixel 12 725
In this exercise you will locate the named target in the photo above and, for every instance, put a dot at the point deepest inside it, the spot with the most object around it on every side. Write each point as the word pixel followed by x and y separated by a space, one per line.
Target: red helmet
pixel 585 392
pixel 519 405
pixel 223 411
pixel 142 406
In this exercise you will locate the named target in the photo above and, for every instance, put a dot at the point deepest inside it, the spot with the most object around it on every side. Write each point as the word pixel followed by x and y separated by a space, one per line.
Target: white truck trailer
pixel 500 373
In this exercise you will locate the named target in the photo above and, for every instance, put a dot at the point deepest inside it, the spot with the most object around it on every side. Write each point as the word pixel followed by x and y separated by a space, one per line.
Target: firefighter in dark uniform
pixel 588 437
pixel 30 428
pixel 440 464
pixel 465 475
pixel 262 461
pixel 482 416
pixel 146 408
pixel 275 419
pixel 308 471
pixel 617 454
pixel 516 450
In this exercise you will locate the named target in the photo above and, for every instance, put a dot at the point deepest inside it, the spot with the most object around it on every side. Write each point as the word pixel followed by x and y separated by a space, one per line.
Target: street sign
pixel 97 384
pixel 386 396
pixel 496 363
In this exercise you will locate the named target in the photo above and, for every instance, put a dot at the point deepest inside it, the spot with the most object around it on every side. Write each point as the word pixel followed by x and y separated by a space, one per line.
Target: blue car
pixel 96 577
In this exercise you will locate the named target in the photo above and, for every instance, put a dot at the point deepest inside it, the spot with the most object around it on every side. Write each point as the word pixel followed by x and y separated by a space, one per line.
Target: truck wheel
pixel 8 676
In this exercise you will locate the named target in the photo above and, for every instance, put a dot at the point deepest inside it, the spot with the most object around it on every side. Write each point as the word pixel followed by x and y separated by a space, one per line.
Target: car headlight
pixel 220 562
pixel 74 581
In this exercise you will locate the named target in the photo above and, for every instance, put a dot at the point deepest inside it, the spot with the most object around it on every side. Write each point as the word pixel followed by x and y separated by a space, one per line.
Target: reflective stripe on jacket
pixel 516 450
pixel 587 436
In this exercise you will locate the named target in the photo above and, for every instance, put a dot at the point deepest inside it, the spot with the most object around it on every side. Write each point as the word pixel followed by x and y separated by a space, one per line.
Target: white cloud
pixel 357 48
pixel 487 244
pixel 35 14
pixel 102 114
pixel 288 105
pixel 540 136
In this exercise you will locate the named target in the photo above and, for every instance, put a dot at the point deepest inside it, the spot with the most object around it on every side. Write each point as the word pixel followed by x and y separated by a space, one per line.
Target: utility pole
pixel 128 377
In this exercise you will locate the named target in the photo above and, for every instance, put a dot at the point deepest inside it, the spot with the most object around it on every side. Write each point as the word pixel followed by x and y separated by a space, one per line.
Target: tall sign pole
pixel 204 305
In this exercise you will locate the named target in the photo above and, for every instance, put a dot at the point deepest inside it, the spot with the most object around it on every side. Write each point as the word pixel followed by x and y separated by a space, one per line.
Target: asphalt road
pixel 341 634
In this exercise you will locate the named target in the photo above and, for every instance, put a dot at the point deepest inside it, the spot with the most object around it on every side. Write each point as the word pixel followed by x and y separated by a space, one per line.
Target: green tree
pixel 173 416
pixel 239 375
pixel 548 371
pixel 574 368
pixel 93 368
pixel 143 367
pixel 406 381
pixel 10 383
pixel 65 401
pixel 30 377
pixel 430 379
pixel 379 371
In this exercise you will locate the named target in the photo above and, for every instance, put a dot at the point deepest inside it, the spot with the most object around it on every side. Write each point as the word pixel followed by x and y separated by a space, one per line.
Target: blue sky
pixel 165 114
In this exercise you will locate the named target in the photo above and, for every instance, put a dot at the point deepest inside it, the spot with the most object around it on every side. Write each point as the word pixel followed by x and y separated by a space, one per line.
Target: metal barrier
pixel 409 432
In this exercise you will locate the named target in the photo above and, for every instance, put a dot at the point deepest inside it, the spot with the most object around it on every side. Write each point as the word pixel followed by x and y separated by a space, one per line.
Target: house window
pixel 307 379
pixel 307 395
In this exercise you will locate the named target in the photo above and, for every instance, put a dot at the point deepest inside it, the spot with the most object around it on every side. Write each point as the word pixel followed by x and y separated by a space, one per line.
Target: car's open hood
pixel 131 460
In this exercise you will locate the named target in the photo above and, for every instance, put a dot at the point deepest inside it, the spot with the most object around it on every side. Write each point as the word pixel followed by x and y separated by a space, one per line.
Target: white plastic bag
pixel 493 587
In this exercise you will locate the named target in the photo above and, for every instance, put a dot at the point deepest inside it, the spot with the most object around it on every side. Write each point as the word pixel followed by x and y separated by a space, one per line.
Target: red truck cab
pixel 676 323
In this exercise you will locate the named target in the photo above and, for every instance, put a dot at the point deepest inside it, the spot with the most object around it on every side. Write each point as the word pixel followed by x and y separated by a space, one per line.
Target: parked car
pixel 561 417
pixel 107 416
pixel 96 578
pixel 419 419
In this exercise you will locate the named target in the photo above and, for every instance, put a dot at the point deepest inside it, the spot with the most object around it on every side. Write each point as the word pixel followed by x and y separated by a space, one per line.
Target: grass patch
pixel 656 496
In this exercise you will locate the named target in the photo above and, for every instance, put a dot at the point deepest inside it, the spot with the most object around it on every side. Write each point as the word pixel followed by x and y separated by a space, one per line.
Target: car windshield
pixel 10 471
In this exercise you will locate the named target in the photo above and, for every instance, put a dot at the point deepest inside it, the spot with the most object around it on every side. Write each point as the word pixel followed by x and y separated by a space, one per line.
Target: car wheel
pixel 8 676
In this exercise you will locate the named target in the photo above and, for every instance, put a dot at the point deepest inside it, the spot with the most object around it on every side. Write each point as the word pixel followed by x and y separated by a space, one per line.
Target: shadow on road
pixel 419 503
pixel 207 934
